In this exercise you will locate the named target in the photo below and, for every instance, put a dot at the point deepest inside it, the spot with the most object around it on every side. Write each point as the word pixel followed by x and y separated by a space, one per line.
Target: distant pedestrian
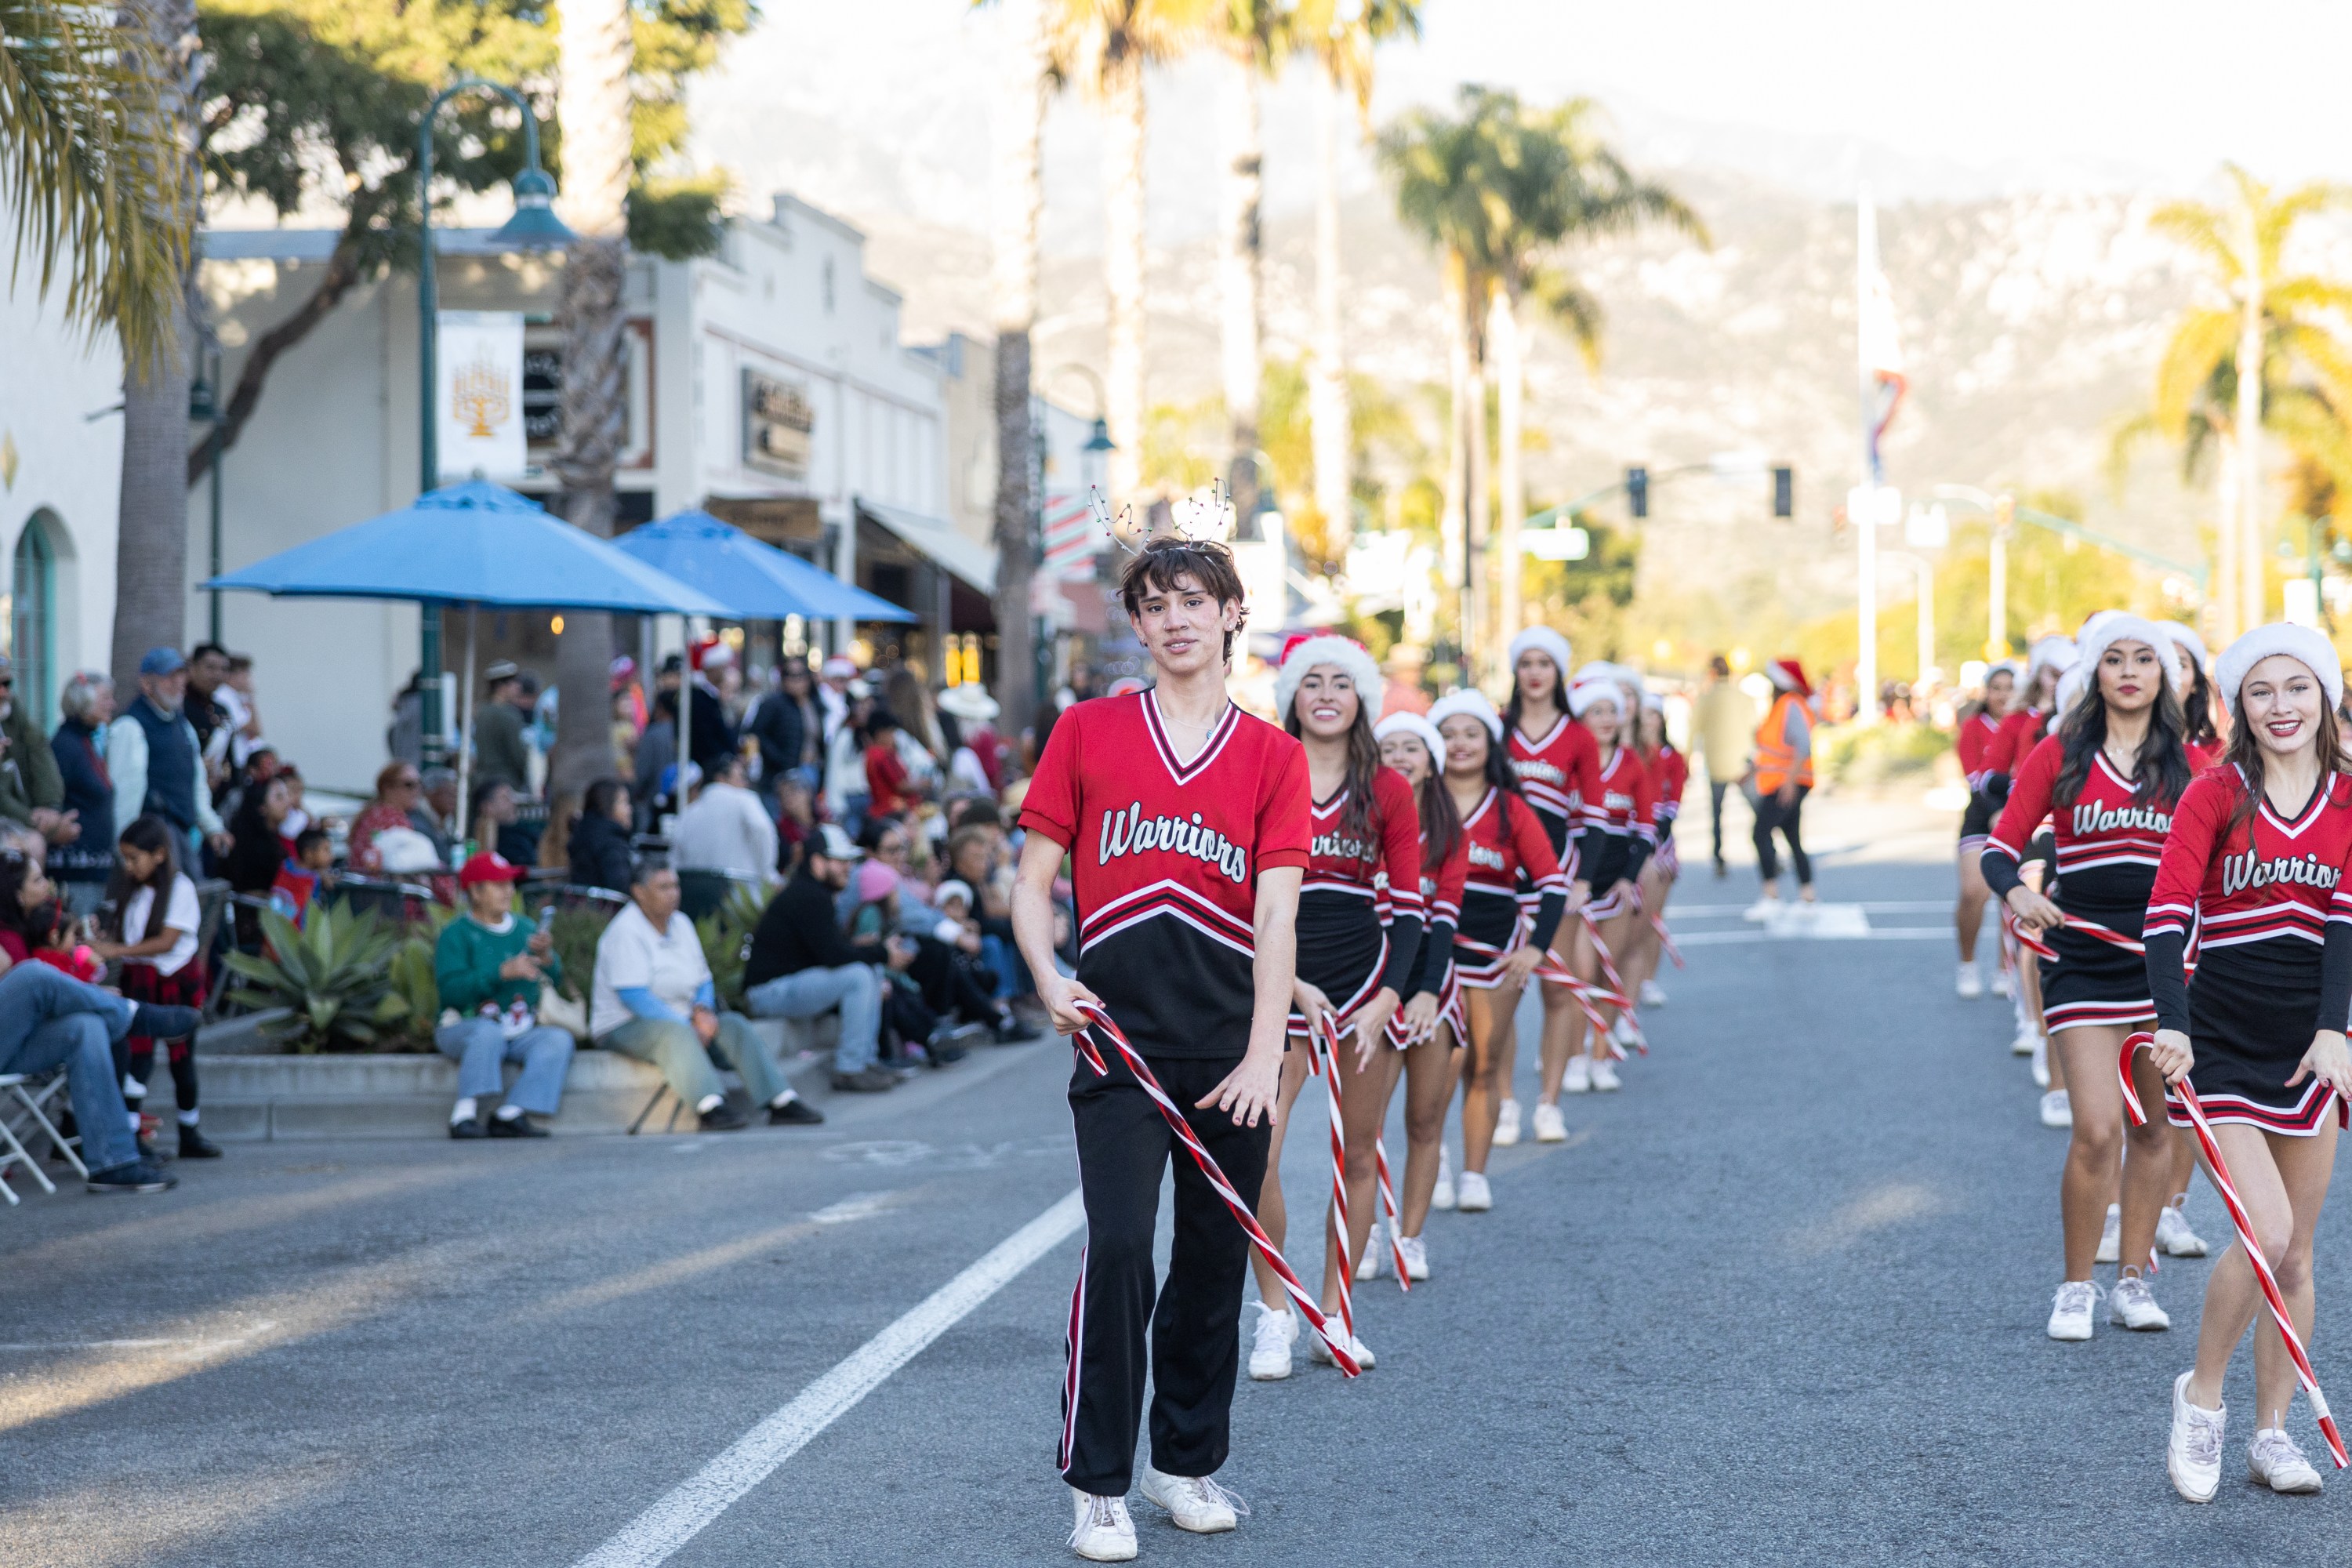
pixel 1783 777
pixel 501 747
pixel 1723 726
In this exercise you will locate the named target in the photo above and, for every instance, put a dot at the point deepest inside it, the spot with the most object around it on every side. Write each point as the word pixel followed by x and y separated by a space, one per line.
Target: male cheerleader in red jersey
pixel 1186 823
pixel 2108 779
pixel 1976 730
pixel 1559 769
pixel 2256 865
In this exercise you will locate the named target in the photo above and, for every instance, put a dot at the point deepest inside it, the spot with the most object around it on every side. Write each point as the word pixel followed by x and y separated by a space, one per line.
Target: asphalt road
pixel 1780 1300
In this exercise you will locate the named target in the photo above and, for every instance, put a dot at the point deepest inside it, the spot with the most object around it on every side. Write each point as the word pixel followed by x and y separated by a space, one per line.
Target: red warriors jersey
pixel 1976 737
pixel 1441 886
pixel 1625 806
pixel 1559 771
pixel 2108 844
pixel 1382 864
pixel 2013 740
pixel 2212 754
pixel 2271 879
pixel 1670 770
pixel 1502 837
pixel 1165 857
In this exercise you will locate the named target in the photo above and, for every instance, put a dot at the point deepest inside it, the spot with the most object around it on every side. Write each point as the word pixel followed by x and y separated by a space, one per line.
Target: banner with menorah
pixel 480 375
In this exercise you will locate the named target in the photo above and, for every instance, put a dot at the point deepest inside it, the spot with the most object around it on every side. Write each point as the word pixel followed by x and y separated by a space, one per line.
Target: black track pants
pixel 1124 1144
pixel 1789 821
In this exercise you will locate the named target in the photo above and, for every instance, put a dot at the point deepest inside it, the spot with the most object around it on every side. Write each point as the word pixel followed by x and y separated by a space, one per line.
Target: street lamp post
pixel 533 226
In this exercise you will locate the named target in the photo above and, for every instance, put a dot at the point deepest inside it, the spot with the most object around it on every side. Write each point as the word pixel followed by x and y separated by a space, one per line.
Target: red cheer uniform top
pixel 2011 742
pixel 2269 881
pixel 2206 755
pixel 1669 773
pixel 1974 740
pixel 1359 909
pixel 1502 837
pixel 1559 771
pixel 1165 858
pixel 2108 842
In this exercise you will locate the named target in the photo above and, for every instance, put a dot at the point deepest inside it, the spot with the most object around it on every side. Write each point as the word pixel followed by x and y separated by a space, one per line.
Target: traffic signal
pixel 1784 492
pixel 1637 491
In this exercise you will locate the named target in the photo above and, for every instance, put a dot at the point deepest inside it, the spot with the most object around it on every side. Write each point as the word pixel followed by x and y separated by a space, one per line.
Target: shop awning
pixel 939 541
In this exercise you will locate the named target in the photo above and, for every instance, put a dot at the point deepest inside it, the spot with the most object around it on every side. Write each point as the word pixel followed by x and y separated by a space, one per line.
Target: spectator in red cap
pixel 490 963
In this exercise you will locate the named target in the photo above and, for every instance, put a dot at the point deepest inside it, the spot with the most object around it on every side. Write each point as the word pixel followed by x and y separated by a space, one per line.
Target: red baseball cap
pixel 488 867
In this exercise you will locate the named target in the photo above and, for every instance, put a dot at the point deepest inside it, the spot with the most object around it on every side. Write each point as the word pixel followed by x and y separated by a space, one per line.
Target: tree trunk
pixel 2252 529
pixel 1510 376
pixel 1453 566
pixel 1327 387
pixel 592 106
pixel 1478 489
pixel 1017 197
pixel 151 581
pixel 2226 604
pixel 1123 272
pixel 1240 260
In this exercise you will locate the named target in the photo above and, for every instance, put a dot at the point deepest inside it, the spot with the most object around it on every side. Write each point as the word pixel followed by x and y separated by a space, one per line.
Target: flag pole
pixel 1865 521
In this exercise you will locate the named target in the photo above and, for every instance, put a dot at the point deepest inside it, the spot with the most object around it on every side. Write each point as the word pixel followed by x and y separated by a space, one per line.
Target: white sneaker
pixel 1478 1197
pixel 1651 995
pixel 1375 1248
pixel 1320 1354
pixel 2193 1456
pixel 2034 1043
pixel 1579 1075
pixel 2069 1312
pixel 1762 912
pixel 2131 1305
pixel 1506 1124
pixel 1270 1345
pixel 1971 984
pixel 1196 1503
pixel 2111 1237
pixel 1604 1076
pixel 2056 1109
pixel 1416 1256
pixel 2173 1237
pixel 1549 1127
pixel 2000 981
pixel 1103 1532
pixel 2272 1460
pixel 1441 1197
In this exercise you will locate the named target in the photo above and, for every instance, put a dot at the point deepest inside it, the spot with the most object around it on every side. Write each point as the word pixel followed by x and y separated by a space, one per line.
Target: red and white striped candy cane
pixel 2034 940
pixel 1587 996
pixel 2185 1096
pixel 1389 1203
pixel 1618 997
pixel 1340 1354
pixel 1326 1062
pixel 1658 924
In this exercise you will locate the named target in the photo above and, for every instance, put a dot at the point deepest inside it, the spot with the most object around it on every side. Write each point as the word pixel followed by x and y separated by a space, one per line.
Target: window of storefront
pixel 33 620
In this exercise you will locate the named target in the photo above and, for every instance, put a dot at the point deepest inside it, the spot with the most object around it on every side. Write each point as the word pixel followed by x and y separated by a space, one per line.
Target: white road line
pixel 1675 911
pixel 678 1517
pixel 1876 933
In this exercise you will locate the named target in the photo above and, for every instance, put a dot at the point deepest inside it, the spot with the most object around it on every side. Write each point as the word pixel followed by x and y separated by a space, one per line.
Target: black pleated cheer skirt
pixel 1975 822
pixel 2094 981
pixel 2252 1009
pixel 1342 948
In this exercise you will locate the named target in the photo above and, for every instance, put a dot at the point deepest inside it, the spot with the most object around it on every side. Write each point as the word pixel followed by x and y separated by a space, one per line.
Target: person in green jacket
pixel 489 963
pixel 32 790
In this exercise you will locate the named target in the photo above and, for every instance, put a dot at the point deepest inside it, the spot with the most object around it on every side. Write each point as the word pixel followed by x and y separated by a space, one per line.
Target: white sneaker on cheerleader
pixel 1441 1197
pixel 1270 1345
pixel 1376 1248
pixel 1579 1075
pixel 1971 984
pixel 2193 1456
pixel 1651 995
pixel 1320 1354
pixel 2070 1311
pixel 1549 1127
pixel 1416 1256
pixel 2272 1460
pixel 1604 1076
pixel 2030 1043
pixel 1196 1503
pixel 1506 1124
pixel 2132 1305
pixel 1626 1033
pixel 2000 982
pixel 2173 1237
pixel 1103 1532
pixel 2111 1237
pixel 1762 912
pixel 2057 1110
pixel 1478 1197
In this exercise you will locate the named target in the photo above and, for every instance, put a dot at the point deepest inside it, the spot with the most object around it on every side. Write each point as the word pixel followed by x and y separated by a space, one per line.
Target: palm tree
pixel 2284 320
pixel 1109 42
pixel 1551 183
pixel 594 111
pixel 1343 33
pixel 1257 36
pixel 1025 79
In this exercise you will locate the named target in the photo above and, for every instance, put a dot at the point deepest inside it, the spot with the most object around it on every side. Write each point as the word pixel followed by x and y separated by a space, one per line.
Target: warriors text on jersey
pixel 1560 773
pixel 2109 843
pixel 1503 838
pixel 1165 858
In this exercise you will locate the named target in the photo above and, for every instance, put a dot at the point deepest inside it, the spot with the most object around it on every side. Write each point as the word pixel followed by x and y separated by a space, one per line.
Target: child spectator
pixel 158 963
pixel 299 880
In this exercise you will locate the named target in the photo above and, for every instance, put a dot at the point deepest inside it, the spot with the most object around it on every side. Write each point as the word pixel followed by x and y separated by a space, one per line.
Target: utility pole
pixel 2004 514
pixel 1864 517
pixel 2251 574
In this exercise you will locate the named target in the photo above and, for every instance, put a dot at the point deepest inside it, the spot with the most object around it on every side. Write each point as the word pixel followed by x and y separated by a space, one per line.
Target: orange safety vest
pixel 1775 758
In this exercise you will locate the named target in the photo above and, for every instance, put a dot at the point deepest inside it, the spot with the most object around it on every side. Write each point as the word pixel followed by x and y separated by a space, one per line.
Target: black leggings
pixel 1770 814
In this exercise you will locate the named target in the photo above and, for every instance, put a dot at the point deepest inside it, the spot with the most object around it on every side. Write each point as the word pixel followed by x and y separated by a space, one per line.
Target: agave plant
pixel 726 934
pixel 332 975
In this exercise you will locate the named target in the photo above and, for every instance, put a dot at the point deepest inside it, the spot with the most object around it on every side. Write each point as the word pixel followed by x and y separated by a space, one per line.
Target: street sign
pixel 1557 543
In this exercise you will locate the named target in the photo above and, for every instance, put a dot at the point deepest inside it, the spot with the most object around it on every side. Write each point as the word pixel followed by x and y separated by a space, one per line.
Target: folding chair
pixel 33 1094
pixel 13 1153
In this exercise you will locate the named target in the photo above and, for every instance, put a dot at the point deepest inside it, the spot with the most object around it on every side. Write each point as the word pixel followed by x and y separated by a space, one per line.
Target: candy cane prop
pixel 1341 1354
pixel 1618 996
pixel 2034 940
pixel 1658 924
pixel 2185 1095
pixel 1327 1057
pixel 1389 1204
pixel 1587 996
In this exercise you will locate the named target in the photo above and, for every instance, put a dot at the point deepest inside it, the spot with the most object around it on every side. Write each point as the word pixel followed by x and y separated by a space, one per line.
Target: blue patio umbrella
pixel 474 543
pixel 758 581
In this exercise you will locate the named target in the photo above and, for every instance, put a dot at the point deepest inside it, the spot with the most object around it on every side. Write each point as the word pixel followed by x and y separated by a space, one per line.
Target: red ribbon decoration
pixel 1341 1354
pixel 2184 1095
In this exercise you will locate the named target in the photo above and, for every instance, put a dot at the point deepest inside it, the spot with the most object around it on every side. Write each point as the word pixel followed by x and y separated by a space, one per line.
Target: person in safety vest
pixel 1779 780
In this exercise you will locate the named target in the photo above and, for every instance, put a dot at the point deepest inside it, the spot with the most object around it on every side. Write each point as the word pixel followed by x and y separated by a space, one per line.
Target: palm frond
pixel 2203 341
pixel 1573 307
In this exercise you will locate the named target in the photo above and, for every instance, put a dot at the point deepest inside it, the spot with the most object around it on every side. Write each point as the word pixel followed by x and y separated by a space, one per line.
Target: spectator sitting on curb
pixel 803 966
pixel 489 963
pixel 653 1000
pixel 727 828
pixel 889 902
pixel 49 1020
pixel 600 850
